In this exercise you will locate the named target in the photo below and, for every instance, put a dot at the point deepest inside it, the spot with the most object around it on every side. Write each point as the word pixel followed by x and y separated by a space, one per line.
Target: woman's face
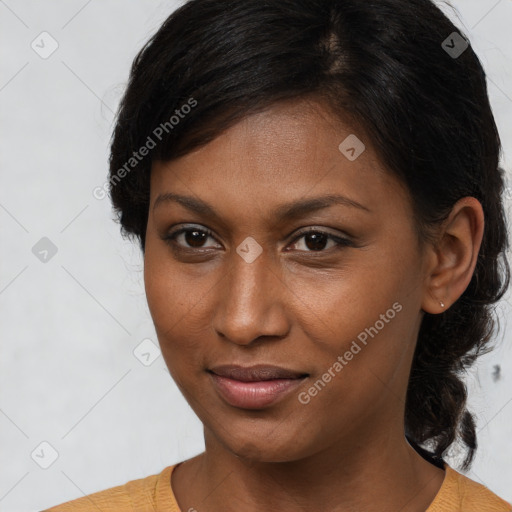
pixel 246 284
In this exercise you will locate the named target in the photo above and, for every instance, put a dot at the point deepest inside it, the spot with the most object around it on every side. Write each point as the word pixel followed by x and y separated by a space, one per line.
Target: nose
pixel 252 302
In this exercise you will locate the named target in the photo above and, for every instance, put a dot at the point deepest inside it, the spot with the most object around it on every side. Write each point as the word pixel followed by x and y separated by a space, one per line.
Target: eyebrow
pixel 284 212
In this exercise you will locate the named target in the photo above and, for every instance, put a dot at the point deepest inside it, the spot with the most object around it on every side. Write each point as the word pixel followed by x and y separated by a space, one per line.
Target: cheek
pixel 336 307
pixel 367 318
pixel 367 365
pixel 167 292
pixel 176 308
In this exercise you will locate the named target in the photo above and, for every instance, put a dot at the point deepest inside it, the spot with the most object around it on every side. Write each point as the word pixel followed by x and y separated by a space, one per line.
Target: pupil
pixel 198 238
pixel 318 240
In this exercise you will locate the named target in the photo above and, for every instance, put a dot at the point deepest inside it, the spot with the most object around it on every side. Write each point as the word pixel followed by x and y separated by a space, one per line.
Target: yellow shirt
pixel 154 494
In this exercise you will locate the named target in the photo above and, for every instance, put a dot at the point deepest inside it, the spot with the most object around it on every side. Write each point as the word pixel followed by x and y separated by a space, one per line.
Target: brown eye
pixel 316 241
pixel 193 238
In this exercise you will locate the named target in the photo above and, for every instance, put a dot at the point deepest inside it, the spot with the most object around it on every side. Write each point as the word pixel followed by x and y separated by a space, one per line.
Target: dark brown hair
pixel 384 63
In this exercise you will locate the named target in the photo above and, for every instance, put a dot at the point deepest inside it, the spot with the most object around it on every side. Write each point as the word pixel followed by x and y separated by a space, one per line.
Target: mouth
pixel 254 387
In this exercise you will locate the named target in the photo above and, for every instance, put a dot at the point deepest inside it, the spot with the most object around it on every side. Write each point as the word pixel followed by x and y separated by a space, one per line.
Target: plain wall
pixel 69 326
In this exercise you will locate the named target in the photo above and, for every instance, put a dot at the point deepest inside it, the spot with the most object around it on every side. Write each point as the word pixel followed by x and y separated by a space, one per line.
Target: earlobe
pixel 433 305
pixel 454 256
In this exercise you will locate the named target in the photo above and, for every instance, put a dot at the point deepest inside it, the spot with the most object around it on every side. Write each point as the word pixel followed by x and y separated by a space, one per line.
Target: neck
pixel 384 473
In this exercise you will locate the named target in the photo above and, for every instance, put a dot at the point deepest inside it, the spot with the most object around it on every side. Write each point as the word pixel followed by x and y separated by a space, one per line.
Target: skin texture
pixel 299 308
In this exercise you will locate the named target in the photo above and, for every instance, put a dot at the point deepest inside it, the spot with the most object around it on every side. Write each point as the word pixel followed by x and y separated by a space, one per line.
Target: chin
pixel 253 447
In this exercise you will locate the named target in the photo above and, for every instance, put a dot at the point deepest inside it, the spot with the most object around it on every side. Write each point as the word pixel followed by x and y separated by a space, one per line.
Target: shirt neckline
pixel 165 498
pixel 450 476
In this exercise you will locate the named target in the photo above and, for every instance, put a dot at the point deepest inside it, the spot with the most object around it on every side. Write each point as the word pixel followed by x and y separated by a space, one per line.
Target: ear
pixel 453 259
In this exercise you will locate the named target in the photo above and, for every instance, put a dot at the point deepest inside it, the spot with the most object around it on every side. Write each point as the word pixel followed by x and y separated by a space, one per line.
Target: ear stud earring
pixel 442 303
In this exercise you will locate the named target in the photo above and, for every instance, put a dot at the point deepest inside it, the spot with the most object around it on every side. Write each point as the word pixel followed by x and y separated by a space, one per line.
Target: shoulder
pixel 460 493
pixel 475 496
pixel 133 496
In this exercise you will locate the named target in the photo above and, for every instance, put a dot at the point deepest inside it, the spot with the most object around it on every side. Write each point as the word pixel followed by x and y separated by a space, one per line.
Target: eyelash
pixel 170 239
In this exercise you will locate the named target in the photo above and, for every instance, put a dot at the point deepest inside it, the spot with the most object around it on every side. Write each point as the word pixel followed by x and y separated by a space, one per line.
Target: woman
pixel 315 187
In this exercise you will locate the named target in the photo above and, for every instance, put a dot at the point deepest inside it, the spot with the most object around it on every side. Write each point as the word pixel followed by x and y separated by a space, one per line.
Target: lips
pixel 254 387
pixel 255 373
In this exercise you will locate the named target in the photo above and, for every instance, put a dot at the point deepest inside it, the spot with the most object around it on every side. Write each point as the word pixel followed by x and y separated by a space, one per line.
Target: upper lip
pixel 255 373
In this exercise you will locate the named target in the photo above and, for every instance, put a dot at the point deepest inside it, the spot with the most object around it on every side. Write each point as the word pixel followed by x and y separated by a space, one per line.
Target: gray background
pixel 70 325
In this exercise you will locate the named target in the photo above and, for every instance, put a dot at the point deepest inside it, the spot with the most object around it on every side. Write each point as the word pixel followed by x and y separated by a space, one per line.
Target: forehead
pixel 293 150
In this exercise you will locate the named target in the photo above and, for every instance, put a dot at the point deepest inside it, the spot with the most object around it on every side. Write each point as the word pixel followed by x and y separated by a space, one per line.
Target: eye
pixel 193 236
pixel 316 240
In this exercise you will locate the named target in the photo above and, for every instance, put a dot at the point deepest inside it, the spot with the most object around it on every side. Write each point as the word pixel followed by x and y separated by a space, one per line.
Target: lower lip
pixel 253 395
